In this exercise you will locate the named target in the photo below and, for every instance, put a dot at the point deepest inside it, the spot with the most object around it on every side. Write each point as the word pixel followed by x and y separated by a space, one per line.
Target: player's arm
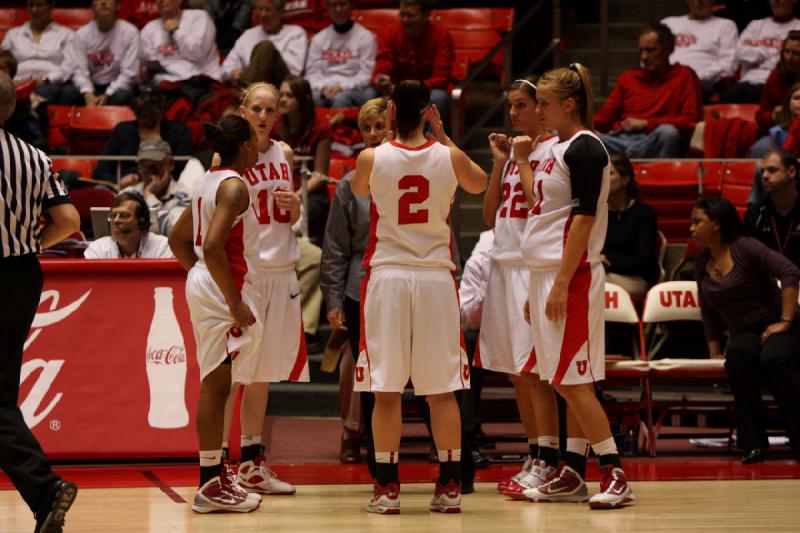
pixel 288 200
pixel 523 148
pixel 470 176
pixel 359 182
pixel 232 199
pixel 181 242
pixel 64 221
pixel 499 144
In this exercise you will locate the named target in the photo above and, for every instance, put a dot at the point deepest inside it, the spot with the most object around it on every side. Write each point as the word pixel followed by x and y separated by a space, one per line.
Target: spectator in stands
pixel 704 43
pixel 103 59
pixel 138 12
pixel 346 236
pixel 772 108
pixel 630 252
pixel 341 59
pixel 309 136
pixel 130 237
pixel 775 222
pixel 786 133
pixel 126 136
pixel 160 190
pixel 22 122
pixel 39 45
pixel 268 52
pixel 650 109
pixel 736 282
pixel 415 49
pixel 231 17
pixel 757 52
pixel 179 52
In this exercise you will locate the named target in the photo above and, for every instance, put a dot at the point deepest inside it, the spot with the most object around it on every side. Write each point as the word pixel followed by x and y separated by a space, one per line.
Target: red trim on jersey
pixel 576 330
pixel 463 344
pixel 528 368
pixel 362 341
pixel 373 238
pixel 476 356
pixel 302 354
pixel 421 147
pixel 234 250
pixel 547 138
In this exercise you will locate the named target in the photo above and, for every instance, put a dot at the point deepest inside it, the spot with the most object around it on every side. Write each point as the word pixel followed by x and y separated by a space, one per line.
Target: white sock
pixel 606 447
pixel 210 457
pixel 249 440
pixel 449 455
pixel 579 446
pixel 386 457
pixel 548 441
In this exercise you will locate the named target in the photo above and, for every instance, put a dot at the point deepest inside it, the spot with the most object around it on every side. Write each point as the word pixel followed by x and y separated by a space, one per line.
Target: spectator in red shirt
pixel 415 49
pixel 651 108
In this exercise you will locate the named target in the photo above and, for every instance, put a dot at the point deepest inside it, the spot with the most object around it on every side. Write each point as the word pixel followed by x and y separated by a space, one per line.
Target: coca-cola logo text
pixel 166 356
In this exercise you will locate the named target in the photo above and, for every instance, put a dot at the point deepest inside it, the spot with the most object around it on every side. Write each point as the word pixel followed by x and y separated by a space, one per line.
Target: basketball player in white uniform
pixel 216 239
pixel 506 344
pixel 409 304
pixel 563 241
pixel 282 354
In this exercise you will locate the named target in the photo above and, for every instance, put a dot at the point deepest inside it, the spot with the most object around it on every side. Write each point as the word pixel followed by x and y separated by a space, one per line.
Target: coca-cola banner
pixel 109 368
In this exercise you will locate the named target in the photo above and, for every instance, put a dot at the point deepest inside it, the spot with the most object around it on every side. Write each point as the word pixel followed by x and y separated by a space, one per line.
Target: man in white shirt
pixel 268 52
pixel 705 43
pixel 159 189
pixel 38 46
pixel 103 59
pixel 341 59
pixel 129 219
pixel 472 290
pixel 758 51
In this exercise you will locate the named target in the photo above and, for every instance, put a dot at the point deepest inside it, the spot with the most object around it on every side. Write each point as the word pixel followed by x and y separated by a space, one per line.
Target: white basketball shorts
pixel 506 341
pixel 282 354
pixel 572 351
pixel 411 328
pixel 214 330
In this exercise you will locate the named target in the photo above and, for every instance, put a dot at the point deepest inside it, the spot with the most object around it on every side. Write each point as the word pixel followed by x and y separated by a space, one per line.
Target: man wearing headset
pixel 129 219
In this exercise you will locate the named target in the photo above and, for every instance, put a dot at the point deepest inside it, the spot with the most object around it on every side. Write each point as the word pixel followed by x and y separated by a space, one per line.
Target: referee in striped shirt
pixel 28 186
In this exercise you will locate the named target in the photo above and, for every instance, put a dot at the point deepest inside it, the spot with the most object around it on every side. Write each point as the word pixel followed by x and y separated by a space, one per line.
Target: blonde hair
pixel 253 87
pixel 572 82
pixel 372 107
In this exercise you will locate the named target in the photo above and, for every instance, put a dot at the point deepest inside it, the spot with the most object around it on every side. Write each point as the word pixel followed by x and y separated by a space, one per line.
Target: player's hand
pixel 336 319
pixel 437 126
pixel 526 311
pixel 287 201
pixel 556 308
pixel 391 113
pixel 500 146
pixel 523 147
pixel 242 315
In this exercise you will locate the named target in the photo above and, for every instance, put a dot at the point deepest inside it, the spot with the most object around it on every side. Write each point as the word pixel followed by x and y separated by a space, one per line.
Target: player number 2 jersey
pixel 277 244
pixel 242 245
pixel 512 215
pixel 411 190
pixel 573 179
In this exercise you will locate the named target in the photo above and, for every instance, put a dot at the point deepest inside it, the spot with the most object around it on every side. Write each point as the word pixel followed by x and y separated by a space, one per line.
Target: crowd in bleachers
pixel 178 63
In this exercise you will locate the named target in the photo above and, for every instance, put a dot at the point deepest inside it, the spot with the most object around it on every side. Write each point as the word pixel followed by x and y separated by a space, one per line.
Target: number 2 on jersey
pixel 421 191
pixel 537 188
pixel 514 211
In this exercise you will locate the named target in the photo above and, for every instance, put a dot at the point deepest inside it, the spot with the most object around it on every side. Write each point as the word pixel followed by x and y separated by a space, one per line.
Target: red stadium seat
pixel 718 111
pixel 10 17
pixel 59 116
pixel 87 197
pixel 737 182
pixel 475 44
pixel 72 18
pixel 471 19
pixel 376 19
pixel 84 167
pixel 89 127
pixel 336 171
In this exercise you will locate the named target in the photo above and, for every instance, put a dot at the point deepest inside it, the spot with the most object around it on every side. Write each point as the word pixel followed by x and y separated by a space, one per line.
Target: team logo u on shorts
pixel 581 367
pixel 360 374
pixel 465 372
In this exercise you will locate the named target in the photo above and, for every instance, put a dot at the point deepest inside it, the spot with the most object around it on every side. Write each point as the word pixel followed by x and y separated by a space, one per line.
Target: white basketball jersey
pixel 242 245
pixel 411 190
pixel 277 244
pixel 551 216
pixel 512 215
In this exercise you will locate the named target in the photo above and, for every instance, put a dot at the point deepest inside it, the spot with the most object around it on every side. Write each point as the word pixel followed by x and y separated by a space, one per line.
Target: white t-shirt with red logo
pixel 512 215
pixel 573 179
pixel 343 59
pixel 412 190
pixel 277 244
pixel 104 58
pixel 707 46
pixel 757 60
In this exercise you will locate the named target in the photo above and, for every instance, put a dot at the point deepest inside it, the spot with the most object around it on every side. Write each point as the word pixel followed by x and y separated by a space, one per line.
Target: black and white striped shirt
pixel 27 186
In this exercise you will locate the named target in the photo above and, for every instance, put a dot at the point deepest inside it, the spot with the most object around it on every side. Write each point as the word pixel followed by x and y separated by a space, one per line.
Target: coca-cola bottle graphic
pixel 166 365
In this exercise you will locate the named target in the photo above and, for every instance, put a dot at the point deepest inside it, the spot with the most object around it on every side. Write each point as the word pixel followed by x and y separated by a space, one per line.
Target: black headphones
pixel 142 209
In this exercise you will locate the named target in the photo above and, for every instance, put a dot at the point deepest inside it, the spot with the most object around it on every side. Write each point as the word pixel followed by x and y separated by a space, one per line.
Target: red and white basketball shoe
pixel 255 476
pixel 538 473
pixel 385 500
pixel 230 482
pixel 614 489
pixel 214 497
pixel 505 483
pixel 563 485
pixel 446 498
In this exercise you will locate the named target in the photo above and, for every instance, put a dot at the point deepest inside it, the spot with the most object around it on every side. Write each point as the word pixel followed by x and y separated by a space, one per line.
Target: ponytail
pixel 227 136
pixel 572 82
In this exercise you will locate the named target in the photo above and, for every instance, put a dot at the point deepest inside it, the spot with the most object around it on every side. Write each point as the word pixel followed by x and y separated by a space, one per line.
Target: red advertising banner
pixel 109 368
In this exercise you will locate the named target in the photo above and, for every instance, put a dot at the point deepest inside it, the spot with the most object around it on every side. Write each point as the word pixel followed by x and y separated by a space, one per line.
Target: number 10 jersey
pixel 411 190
